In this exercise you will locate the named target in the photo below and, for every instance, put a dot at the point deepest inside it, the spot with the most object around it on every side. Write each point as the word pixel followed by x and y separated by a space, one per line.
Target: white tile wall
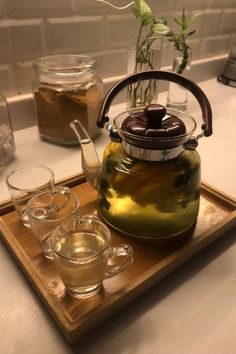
pixel 161 5
pixel 27 39
pixel 111 62
pixel 35 28
pixel 116 30
pixel 38 8
pixel 5 42
pixel 212 46
pixel 228 23
pixel 24 74
pixel 209 23
pixel 2 9
pixel 198 5
pixel 7 82
pixel 225 4
pixel 74 34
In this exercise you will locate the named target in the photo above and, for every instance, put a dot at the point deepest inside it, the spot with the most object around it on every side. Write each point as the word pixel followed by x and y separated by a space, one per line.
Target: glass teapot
pixel 149 181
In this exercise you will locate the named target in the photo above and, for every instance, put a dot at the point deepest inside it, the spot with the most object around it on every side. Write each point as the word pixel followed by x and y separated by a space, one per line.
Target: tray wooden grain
pixel 151 262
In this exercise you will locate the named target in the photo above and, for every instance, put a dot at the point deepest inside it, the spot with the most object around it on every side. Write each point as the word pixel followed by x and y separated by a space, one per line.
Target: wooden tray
pixel 151 263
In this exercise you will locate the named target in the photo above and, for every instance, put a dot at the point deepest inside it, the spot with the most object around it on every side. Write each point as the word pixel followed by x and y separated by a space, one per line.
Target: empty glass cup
pixel 84 256
pixel 24 182
pixel 49 209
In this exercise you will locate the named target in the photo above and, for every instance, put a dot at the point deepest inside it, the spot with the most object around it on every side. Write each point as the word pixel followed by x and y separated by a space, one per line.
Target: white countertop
pixel 193 311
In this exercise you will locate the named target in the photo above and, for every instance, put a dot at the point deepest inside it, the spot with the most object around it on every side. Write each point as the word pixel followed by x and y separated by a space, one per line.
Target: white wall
pixel 33 28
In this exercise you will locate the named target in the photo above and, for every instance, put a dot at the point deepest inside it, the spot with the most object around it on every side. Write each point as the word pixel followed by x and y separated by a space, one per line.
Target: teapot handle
pixel 159 75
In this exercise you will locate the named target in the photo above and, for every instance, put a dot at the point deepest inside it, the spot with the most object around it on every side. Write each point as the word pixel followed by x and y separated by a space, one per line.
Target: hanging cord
pixel 116 7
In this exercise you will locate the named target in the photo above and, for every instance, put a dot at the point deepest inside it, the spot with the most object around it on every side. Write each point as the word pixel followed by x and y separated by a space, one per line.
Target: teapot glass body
pixel 149 200
pixel 149 180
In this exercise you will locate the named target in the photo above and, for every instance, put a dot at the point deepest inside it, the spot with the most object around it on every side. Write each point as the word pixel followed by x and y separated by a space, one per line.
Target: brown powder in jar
pixel 55 110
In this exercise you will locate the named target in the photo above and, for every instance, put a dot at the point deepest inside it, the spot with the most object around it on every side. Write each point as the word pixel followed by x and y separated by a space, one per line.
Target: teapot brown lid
pixel 153 122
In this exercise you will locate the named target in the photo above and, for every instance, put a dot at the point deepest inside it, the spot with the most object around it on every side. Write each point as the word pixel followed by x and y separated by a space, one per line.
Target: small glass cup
pixel 49 209
pixel 177 97
pixel 84 256
pixel 24 182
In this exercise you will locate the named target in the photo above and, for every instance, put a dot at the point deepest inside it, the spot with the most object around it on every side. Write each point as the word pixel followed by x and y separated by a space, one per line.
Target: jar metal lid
pixel 65 66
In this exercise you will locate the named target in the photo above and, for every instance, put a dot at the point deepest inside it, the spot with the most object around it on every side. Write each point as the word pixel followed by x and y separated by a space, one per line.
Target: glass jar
pixel 66 87
pixel 7 143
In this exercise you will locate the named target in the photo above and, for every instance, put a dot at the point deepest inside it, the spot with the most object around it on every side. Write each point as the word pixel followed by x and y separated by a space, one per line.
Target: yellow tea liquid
pixel 149 199
pixel 82 261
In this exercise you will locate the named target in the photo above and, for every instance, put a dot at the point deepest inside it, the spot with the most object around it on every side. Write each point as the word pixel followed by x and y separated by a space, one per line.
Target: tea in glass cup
pixel 82 253
pixel 49 209
pixel 24 182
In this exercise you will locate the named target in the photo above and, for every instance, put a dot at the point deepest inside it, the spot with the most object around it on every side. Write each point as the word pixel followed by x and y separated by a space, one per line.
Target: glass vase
pixel 143 55
pixel 177 95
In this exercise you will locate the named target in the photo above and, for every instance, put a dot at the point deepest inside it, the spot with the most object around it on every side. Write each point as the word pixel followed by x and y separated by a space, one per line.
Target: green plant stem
pixel 138 47
pixel 185 60
pixel 142 62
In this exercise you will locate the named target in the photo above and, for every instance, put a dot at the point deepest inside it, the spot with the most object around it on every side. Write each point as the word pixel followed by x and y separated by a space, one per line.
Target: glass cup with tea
pixel 84 256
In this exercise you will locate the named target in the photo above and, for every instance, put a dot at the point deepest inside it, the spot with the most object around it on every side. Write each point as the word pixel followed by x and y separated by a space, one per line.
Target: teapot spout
pixel 90 160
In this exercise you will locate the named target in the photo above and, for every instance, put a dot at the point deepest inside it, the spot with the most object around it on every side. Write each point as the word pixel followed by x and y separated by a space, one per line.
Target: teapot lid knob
pixel 154 114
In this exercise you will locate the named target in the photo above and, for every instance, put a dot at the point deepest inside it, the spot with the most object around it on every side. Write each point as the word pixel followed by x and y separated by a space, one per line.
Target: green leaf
pixel 162 29
pixel 142 10
pixel 178 21
pixel 193 18
pixel 160 20
pixel 190 33
pixel 183 17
